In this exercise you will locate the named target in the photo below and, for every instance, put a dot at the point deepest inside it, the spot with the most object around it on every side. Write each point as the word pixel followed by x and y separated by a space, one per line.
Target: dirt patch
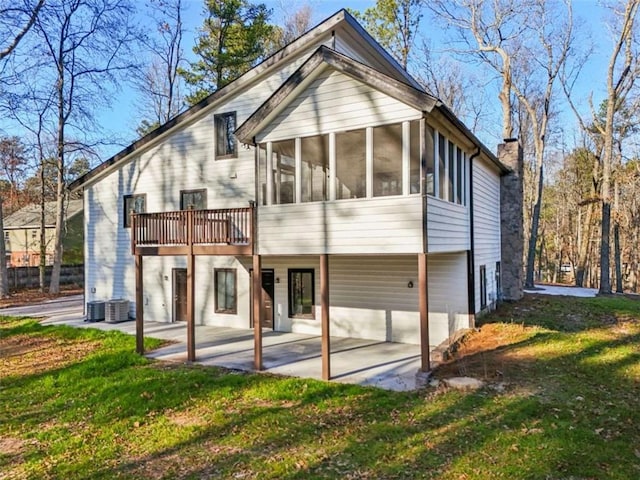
pixel 28 355
pixel 485 352
pixel 33 295
pixel 186 419
pixel 12 446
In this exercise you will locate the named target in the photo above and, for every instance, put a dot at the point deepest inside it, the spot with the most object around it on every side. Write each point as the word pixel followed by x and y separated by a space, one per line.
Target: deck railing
pixel 230 226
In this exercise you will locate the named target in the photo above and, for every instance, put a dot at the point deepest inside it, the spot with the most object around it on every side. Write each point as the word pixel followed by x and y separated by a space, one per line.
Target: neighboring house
pixel 371 211
pixel 22 234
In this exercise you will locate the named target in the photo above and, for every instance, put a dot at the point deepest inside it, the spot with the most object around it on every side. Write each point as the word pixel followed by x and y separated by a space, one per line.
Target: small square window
pixel 226 293
pixel 135 203
pixel 301 293
pixel 195 198
pixel 226 145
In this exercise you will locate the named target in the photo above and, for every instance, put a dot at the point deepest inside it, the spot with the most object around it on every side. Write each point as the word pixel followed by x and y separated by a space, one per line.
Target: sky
pixel 122 118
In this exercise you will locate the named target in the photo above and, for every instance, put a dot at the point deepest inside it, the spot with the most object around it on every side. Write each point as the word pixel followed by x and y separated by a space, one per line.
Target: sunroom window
pixel 351 165
pixel 284 172
pixel 387 160
pixel 315 168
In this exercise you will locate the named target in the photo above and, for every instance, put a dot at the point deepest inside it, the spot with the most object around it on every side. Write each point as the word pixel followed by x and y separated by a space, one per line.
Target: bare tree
pixel 295 24
pixel 555 39
pixel 491 32
pixel 16 19
pixel 160 82
pixel 85 44
pixel 446 79
pixel 622 71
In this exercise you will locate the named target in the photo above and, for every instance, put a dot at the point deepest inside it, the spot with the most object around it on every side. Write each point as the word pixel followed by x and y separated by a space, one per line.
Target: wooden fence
pixel 29 277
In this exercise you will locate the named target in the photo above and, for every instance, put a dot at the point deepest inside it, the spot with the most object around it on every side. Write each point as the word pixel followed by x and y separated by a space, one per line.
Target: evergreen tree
pixel 234 37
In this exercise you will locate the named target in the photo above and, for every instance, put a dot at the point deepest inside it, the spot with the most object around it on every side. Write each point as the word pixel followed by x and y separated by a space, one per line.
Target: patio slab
pixel 392 366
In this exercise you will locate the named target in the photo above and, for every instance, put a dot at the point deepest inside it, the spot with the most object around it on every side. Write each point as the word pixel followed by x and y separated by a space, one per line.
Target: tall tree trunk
pixel 4 279
pixel 617 259
pixel 54 285
pixel 535 222
pixel 616 237
pixel 605 248
pixel 43 233
pixel 583 246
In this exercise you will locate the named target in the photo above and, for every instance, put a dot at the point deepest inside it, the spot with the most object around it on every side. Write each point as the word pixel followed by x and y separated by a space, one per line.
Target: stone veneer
pixel 511 220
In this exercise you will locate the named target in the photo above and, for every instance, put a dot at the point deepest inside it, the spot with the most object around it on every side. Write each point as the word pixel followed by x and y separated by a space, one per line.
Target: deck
pixel 193 232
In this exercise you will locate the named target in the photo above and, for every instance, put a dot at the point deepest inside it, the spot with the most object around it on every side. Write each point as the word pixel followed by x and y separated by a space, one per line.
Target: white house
pixel 370 210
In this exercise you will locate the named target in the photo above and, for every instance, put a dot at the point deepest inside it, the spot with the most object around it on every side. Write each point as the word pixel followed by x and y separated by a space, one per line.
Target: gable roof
pixel 29 216
pixel 324 56
pixel 341 20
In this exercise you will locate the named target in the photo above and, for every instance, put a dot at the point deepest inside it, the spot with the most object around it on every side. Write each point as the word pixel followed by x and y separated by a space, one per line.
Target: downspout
pixel 471 267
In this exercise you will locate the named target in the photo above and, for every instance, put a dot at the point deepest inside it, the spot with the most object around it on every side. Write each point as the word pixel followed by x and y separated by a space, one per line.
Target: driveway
pixel 392 366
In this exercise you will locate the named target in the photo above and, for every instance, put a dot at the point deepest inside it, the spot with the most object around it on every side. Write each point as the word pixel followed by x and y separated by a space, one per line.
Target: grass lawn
pixel 562 401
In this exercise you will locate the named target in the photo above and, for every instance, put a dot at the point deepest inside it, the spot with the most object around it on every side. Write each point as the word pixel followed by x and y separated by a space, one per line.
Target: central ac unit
pixel 95 311
pixel 116 311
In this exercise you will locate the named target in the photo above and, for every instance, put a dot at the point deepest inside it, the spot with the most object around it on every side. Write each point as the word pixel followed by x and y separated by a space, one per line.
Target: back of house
pixel 336 168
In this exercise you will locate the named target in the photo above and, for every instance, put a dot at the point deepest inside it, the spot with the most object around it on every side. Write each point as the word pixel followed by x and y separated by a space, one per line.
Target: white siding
pixel 355 48
pixel 377 225
pixel 335 102
pixel 486 226
pixel 183 160
pixel 447 226
pixel 448 300
pixel 370 297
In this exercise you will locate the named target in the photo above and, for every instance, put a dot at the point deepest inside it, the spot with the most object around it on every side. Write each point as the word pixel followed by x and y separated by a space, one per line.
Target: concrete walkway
pixel 392 366
pixel 569 291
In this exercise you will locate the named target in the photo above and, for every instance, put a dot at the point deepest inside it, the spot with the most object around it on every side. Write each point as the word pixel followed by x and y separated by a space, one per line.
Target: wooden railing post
pixel 191 326
pixel 325 323
pixel 423 302
pixel 134 235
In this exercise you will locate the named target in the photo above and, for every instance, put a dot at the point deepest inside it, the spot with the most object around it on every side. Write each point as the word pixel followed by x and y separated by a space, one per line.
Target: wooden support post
pixel 191 324
pixel 423 293
pixel 257 311
pixel 139 307
pixel 324 303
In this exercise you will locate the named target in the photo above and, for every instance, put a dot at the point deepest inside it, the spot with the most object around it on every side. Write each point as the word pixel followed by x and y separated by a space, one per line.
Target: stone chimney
pixel 511 220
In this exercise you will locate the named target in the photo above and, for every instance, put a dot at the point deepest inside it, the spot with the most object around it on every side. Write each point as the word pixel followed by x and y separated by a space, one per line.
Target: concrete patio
pixel 392 366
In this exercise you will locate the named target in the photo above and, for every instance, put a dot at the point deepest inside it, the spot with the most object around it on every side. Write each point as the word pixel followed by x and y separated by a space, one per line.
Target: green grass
pixel 570 410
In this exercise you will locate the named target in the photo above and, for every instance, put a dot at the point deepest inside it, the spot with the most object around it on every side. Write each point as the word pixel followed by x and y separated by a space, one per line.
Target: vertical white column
pixel 269 176
pixel 406 152
pixel 332 166
pixel 298 172
pixel 454 185
pixel 369 161
pixel 446 170
pixel 436 163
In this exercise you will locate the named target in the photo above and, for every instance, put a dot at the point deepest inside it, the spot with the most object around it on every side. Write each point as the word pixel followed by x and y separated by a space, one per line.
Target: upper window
pixel 133 203
pixel 193 198
pixel 226 292
pixel 301 293
pixel 225 125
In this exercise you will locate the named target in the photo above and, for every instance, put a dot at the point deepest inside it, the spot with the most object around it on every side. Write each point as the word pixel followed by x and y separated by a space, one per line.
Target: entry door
pixel 179 294
pixel 267 299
